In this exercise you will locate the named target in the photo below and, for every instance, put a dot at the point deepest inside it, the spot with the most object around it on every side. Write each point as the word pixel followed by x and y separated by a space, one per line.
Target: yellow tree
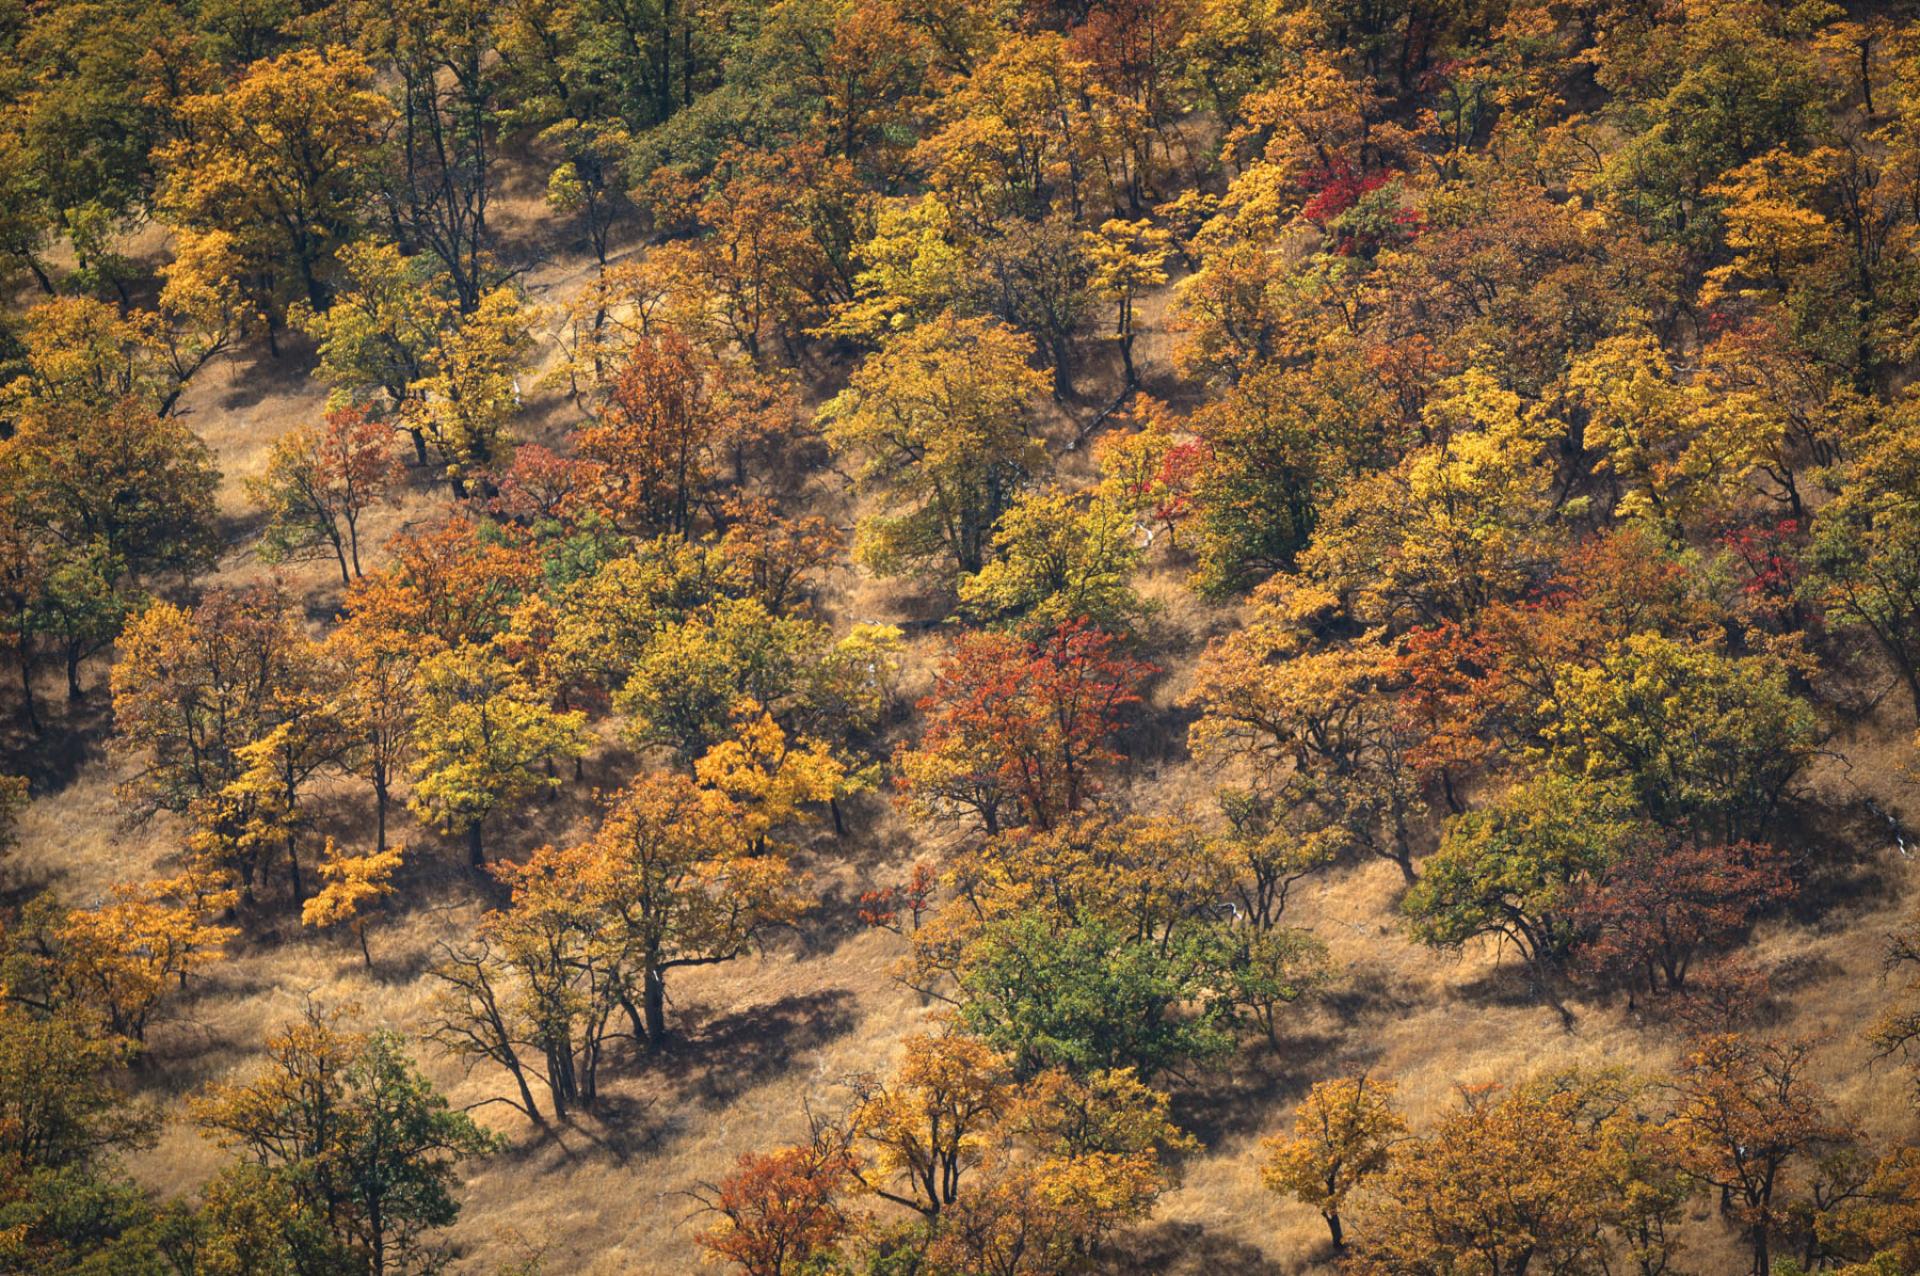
pixel 377 342
pixel 1128 258
pixel 193 689
pixel 1343 1133
pixel 483 740
pixel 353 884
pixel 673 872
pixel 282 160
pixel 937 419
pixel 375 672
pixel 770 778
pixel 465 402
pixel 924 1128
pixel 122 957
pixel 1561 1172
pixel 1317 726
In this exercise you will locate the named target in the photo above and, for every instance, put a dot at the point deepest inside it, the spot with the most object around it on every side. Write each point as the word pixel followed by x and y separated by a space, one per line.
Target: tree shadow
pixel 255 375
pixel 723 1056
pixel 72 735
pixel 832 921
pixel 1230 1100
pixel 1183 1249
pixel 1851 857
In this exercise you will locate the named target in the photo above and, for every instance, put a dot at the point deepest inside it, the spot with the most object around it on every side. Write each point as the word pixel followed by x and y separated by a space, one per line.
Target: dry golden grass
pixel 771 1037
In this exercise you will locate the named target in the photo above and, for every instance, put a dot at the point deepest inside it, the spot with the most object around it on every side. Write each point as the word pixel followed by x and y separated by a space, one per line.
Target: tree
pixel 656 444
pixel 140 484
pixel 1866 548
pixel 1451 529
pixel 1088 996
pixel 471 390
pixel 733 660
pixel 191 690
pixel 1898 1027
pixel 1127 258
pixel 1018 729
pixel 1071 1162
pixel 923 1126
pixel 376 688
pixel 120 959
pixel 282 160
pixel 1328 748
pixel 938 420
pixel 1658 906
pixel 379 340
pixel 358 1137
pixel 1551 1175
pixel 353 883
pixel 1344 1132
pixel 84 599
pixel 435 182
pixel 482 740
pixel 476 1017
pixel 1516 869
pixel 1059 557
pixel 1746 1114
pixel 681 885
pixel 1268 457
pixel 587 182
pixel 318 482
pixel 1697 102
pixel 778 1210
pixel 1708 743
pixel 457 582
pixel 64 1116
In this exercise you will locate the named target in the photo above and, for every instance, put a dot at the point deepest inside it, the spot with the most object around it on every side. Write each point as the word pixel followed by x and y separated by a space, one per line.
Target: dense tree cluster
pixel 1518 392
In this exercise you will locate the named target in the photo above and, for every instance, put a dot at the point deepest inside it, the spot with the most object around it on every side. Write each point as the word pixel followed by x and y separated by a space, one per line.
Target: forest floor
pixel 767 1040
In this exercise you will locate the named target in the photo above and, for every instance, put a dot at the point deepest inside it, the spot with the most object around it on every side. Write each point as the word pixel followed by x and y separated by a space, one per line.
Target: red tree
pixel 1656 909
pixel 1016 726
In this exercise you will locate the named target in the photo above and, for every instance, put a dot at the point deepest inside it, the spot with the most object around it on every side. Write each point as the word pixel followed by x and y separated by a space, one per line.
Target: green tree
pixel 1090 997
pixel 1513 870
pixel 363 1144
pixel 1059 557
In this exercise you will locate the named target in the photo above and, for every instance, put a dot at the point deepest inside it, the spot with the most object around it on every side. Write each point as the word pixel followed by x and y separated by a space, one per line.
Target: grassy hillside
pixel 1425 408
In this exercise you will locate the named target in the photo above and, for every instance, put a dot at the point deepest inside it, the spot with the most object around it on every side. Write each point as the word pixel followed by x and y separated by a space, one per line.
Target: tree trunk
pixel 476 852
pixel 654 1001
pixel 293 869
pixel 25 655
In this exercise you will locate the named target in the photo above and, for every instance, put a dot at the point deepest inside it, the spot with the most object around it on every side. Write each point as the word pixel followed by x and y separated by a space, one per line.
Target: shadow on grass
pixel 1183 1249
pixel 721 1057
pixel 1217 1104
